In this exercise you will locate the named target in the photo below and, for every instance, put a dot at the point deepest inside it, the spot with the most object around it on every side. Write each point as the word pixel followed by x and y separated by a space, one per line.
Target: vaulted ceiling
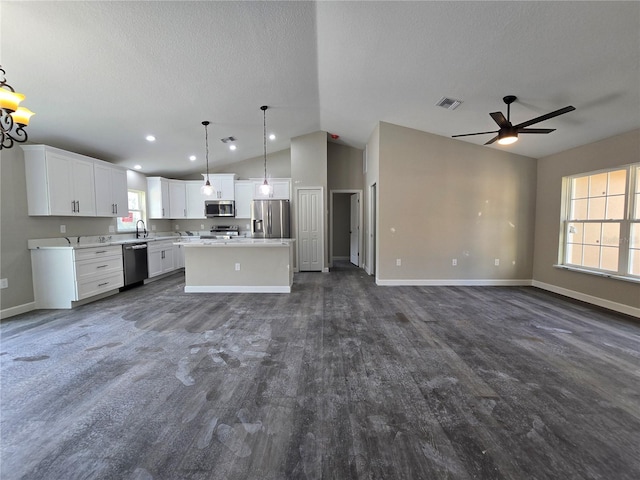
pixel 102 75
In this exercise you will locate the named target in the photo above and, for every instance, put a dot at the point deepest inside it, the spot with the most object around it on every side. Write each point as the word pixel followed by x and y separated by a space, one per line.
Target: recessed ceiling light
pixel 232 147
pixel 192 158
pixel 138 167
pixel 272 136
pixel 150 138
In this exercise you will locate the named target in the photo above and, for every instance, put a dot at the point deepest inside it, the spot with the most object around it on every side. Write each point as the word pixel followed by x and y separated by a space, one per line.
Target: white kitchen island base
pixel 239 266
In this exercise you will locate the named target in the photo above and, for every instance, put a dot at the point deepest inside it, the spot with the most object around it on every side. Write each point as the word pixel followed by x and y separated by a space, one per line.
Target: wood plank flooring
pixel 340 379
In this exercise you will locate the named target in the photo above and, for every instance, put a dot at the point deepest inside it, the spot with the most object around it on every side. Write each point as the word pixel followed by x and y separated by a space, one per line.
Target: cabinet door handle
pixel 73 206
pixel 103 284
pixel 102 266
pixel 163 211
pixel 78 202
pixel 101 251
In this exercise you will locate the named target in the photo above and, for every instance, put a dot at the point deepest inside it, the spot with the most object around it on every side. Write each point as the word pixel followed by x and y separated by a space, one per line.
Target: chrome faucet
pixel 144 229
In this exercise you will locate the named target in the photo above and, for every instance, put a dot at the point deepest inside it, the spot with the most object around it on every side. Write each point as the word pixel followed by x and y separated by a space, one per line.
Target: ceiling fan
pixel 508 133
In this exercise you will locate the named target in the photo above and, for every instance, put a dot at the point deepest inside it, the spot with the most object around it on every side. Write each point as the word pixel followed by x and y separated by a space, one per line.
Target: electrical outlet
pixel 496 262
pixel 153 228
pixel 237 267
pixel 63 229
pixel 398 262
pixel 112 229
pixel 4 283
pixel 177 227
pixel 454 262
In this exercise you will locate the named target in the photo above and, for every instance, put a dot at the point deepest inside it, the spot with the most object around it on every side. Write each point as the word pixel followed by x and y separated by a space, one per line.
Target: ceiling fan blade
pixel 546 117
pixel 492 140
pixel 498 117
pixel 478 133
pixel 536 130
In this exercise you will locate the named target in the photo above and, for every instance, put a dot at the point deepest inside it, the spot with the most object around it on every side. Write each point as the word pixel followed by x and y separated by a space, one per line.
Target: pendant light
pixel 206 189
pixel 265 188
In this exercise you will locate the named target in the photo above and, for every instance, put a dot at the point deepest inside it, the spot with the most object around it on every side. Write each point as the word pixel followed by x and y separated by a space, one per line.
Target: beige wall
pixel 441 199
pixel 344 172
pixel 611 152
pixel 309 169
pixel 278 166
pixel 371 177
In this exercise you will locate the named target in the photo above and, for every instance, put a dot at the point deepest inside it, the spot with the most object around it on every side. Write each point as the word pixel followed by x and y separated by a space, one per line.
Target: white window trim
pixel 631 209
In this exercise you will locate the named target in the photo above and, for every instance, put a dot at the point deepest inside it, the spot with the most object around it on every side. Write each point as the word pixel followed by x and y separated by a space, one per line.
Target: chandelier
pixel 14 118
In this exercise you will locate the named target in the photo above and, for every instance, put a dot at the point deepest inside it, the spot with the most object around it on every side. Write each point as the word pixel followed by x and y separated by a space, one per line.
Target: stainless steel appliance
pixel 270 219
pixel 225 232
pixel 134 258
pixel 219 208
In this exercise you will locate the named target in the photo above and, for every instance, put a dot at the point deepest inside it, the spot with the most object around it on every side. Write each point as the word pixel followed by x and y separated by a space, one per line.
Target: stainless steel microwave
pixel 219 208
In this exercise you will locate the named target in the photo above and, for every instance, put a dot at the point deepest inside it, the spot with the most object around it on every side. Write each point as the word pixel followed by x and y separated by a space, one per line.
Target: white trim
pixel 238 289
pixel 454 283
pixel 600 302
pixel 17 310
pixel 598 273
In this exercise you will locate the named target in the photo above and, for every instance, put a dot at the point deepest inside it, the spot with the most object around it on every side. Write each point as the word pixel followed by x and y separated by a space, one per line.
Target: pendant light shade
pixel 265 188
pixel 207 190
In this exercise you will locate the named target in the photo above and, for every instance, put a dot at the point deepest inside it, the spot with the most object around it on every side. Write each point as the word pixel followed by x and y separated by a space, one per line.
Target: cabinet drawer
pixel 97 252
pixel 94 286
pixel 95 267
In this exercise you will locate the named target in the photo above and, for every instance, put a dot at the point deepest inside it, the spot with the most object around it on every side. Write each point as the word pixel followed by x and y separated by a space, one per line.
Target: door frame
pixel 323 227
pixel 360 222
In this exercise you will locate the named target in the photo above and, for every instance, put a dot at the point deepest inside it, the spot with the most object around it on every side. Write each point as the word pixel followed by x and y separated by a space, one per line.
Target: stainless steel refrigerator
pixel 270 219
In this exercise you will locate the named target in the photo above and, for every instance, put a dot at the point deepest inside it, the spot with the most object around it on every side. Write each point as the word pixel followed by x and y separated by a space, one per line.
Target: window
pixel 602 221
pixel 137 211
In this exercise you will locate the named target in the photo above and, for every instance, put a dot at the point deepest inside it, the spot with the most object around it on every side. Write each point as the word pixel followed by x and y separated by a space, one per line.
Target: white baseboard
pixel 17 310
pixel 238 289
pixel 600 302
pixel 454 283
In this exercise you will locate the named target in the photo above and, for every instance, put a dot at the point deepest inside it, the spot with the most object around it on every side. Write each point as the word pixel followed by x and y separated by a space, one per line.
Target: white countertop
pixel 90 242
pixel 236 242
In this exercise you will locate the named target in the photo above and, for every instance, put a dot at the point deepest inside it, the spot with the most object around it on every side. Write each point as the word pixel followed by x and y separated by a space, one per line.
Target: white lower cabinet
pixel 62 276
pixel 178 256
pixel 160 258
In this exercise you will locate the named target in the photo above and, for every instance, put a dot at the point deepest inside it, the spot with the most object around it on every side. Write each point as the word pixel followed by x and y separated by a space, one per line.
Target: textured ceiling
pixel 102 75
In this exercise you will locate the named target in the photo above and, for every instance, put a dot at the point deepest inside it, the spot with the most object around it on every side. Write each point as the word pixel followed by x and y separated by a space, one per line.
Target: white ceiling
pixel 102 75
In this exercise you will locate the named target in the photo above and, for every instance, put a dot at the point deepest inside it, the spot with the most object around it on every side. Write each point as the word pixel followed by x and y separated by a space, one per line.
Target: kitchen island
pixel 241 265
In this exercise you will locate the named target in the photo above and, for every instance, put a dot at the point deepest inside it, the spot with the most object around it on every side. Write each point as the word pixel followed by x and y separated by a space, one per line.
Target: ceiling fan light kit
pixel 508 133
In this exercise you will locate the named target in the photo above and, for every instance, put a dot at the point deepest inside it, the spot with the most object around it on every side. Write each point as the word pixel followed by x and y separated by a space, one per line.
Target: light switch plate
pixel 4 283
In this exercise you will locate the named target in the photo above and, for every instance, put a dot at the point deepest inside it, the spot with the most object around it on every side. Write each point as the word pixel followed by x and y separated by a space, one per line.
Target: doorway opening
pixel 345 227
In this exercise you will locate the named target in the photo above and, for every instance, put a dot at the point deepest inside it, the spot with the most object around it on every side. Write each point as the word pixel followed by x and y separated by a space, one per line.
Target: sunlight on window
pixel 137 211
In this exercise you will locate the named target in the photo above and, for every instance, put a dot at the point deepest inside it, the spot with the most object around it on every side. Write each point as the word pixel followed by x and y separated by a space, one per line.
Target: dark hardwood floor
pixel 340 379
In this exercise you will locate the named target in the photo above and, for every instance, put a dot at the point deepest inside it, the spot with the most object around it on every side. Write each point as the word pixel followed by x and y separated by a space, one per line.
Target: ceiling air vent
pixel 448 103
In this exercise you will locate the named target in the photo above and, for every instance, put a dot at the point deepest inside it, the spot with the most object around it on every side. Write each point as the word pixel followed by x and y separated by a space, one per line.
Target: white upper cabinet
pixel 223 184
pixel 111 190
pixel 177 199
pixel 280 188
pixel 195 199
pixel 158 191
pixel 59 182
pixel 244 195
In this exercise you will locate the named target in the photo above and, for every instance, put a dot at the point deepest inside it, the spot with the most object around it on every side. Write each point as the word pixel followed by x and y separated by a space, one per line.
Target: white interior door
pixel 354 227
pixel 310 236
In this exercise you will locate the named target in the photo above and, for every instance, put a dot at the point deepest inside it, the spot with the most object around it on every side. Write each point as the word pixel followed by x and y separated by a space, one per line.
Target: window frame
pixel 142 201
pixel 629 221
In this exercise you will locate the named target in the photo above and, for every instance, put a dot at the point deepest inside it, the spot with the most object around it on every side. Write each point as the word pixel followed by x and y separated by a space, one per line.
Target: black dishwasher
pixel 134 257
